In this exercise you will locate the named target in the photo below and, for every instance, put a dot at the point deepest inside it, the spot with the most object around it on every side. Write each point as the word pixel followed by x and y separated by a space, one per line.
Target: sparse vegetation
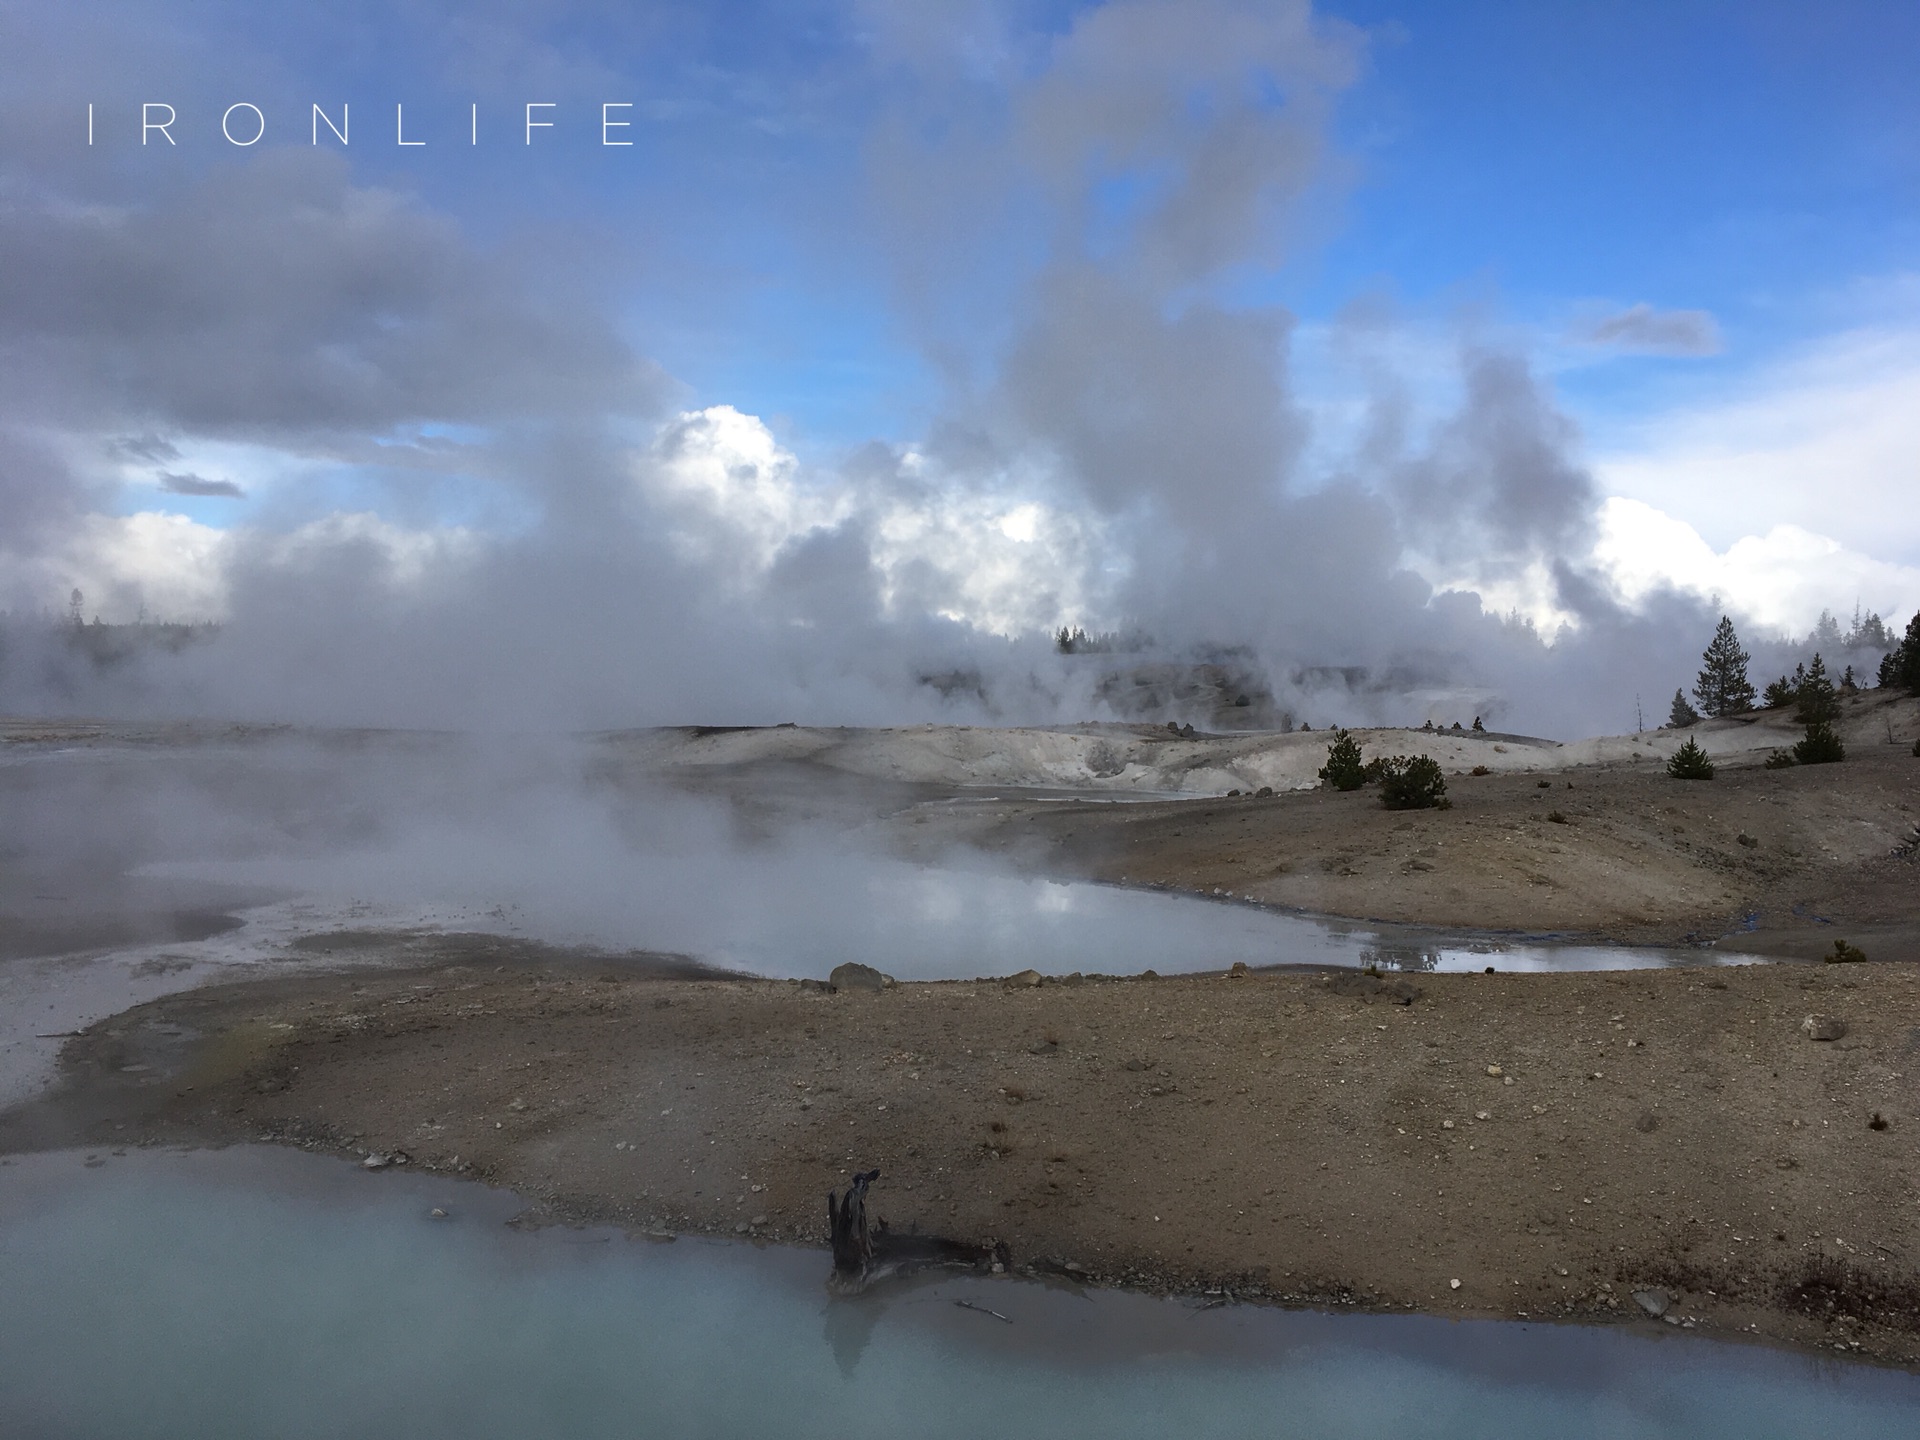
pixel 1690 762
pixel 1722 687
pixel 1682 714
pixel 1344 770
pixel 1845 954
pixel 1411 782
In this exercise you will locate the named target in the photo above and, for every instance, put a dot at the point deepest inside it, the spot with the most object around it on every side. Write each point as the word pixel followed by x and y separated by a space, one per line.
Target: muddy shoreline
pixel 1283 1136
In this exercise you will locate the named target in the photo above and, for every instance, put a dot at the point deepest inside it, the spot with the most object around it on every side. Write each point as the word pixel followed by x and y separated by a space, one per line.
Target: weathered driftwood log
pixel 863 1253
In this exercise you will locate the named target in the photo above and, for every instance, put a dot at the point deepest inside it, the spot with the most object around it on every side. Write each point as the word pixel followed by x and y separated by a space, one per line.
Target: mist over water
pixel 544 839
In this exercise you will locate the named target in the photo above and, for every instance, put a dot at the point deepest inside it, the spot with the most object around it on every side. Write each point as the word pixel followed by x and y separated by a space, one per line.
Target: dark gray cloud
pixel 277 299
pixel 191 484
pixel 1641 329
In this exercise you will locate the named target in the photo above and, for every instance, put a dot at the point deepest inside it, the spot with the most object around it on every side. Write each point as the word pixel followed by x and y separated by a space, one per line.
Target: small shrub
pixel 1411 783
pixel 1916 749
pixel 1557 818
pixel 1344 769
pixel 1481 770
pixel 1543 784
pixel 1820 747
pixel 1845 954
pixel 1690 762
pixel 1781 760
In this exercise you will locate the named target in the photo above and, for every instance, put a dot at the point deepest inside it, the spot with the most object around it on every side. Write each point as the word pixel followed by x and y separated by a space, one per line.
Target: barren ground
pixel 1281 1135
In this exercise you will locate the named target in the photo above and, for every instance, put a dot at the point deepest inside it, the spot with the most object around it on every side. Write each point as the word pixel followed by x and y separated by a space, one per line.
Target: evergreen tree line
pixel 1723 687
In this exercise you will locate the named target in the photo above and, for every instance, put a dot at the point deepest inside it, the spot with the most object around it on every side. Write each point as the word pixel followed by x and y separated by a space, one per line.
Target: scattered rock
pixel 1746 840
pixel 741 1228
pixel 436 1213
pixel 1823 1027
pixel 516 1105
pixel 1654 1302
pixel 1446 1124
pixel 1495 1071
pixel 375 1162
pixel 1025 980
pixel 758 1221
pixel 1453 1284
pixel 1139 1064
pixel 1239 971
pixel 854 976
pixel 1265 792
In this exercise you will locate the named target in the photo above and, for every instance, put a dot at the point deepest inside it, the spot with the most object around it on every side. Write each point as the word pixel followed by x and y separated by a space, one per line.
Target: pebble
pixel 1495 1070
pixel 375 1162
pixel 1453 1284
pixel 1446 1124
pixel 437 1213
pixel 1823 1027
pixel 1654 1302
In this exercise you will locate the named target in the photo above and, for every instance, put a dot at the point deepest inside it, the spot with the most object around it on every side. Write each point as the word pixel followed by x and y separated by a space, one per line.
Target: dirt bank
pixel 1283 1135
pixel 1780 862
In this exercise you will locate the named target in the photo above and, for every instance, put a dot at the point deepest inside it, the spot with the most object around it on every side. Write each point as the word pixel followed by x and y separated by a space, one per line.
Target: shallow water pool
pixel 255 1292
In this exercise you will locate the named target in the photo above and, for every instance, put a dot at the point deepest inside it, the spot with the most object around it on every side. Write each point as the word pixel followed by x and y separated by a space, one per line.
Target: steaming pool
pixel 253 1292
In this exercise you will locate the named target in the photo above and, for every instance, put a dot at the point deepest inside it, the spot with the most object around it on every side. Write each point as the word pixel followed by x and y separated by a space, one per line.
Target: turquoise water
pixel 262 1293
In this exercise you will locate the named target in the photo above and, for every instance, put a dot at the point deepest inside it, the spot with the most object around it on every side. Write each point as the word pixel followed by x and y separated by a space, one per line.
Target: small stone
pixel 1446 1124
pixel 1495 1071
pixel 516 1105
pixel 375 1162
pixel 741 1228
pixel 1654 1302
pixel 1483 1114
pixel 1453 1284
pixel 437 1213
pixel 1506 1079
pixel 758 1221
pixel 1239 971
pixel 1025 980
pixel 1823 1027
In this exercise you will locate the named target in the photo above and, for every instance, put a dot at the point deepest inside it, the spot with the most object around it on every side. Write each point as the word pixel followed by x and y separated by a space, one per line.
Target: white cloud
pixel 168 564
pixel 994 558
pixel 1782 579
pixel 1828 443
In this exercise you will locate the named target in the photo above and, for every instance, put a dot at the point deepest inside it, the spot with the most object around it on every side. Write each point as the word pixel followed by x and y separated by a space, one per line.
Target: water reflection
pixel 247 1293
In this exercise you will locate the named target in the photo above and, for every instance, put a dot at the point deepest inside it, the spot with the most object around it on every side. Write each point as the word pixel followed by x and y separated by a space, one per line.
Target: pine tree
pixel 1901 668
pixel 1344 769
pixel 1682 715
pixel 1690 762
pixel 1818 703
pixel 1723 688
